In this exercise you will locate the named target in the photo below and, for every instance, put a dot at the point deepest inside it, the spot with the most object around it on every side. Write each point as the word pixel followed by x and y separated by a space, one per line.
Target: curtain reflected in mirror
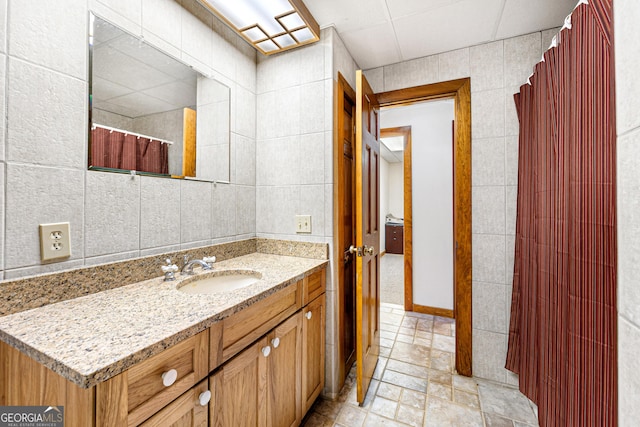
pixel 152 114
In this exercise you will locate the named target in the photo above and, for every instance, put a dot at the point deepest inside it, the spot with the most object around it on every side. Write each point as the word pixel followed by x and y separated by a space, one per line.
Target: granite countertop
pixel 95 337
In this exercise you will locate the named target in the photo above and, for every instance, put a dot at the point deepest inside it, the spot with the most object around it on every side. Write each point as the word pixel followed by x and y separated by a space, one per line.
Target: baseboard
pixel 435 311
pixel 383 253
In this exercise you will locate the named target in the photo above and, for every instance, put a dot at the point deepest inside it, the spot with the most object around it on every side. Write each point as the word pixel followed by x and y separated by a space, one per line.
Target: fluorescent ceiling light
pixel 394 143
pixel 271 26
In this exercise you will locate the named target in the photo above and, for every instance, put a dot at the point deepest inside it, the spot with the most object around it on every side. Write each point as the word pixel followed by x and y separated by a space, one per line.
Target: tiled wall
pixel 43 154
pixel 497 70
pixel 627 45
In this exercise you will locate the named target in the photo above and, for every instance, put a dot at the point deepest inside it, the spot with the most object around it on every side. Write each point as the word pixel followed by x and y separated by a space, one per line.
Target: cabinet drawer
pixel 313 286
pixel 246 326
pixel 139 392
pixel 184 411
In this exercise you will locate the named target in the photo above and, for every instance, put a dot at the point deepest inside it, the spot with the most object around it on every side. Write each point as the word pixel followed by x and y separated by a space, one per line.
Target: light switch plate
pixel 54 241
pixel 303 223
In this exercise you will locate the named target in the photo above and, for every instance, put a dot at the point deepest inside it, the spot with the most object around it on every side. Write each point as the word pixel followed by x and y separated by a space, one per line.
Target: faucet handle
pixel 169 270
pixel 209 260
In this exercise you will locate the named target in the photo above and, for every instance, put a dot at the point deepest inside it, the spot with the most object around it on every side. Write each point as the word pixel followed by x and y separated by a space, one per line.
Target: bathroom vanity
pixel 149 354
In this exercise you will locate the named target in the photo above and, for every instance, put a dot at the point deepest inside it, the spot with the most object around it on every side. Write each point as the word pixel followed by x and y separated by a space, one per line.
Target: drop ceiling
pixel 382 32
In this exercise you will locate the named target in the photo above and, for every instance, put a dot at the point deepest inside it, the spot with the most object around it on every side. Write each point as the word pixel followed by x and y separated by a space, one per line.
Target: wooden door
pixel 367 234
pixel 239 389
pixel 313 333
pixel 345 234
pixel 285 372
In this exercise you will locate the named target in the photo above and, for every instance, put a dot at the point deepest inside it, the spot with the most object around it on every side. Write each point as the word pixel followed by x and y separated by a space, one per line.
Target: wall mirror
pixel 151 113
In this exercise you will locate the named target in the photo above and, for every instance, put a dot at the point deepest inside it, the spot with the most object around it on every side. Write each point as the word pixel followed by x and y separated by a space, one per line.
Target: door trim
pixel 460 90
pixel 405 132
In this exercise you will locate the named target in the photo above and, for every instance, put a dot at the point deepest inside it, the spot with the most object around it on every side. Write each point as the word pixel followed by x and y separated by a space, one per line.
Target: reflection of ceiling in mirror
pixel 146 81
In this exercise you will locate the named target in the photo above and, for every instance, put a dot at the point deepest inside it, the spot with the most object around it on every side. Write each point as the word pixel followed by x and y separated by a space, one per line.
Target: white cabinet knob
pixel 308 315
pixel 169 377
pixel 204 398
pixel 266 351
pixel 275 342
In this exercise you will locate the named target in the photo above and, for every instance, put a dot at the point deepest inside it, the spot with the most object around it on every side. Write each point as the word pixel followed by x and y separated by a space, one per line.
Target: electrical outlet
pixel 303 223
pixel 54 241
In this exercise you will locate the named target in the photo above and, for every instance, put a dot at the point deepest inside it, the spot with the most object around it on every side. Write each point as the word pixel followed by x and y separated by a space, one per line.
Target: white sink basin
pixel 219 281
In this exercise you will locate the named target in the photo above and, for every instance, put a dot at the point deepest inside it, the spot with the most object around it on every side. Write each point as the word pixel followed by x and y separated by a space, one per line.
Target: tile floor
pixel 415 384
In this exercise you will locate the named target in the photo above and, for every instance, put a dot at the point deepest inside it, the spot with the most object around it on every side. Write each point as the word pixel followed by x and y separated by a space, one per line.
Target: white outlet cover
pixel 55 241
pixel 303 223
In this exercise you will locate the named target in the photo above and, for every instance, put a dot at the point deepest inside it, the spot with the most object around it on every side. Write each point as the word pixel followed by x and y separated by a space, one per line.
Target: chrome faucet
pixel 205 263
pixel 169 270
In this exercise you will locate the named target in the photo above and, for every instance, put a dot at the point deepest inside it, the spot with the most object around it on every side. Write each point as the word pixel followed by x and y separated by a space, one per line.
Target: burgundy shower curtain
pixel 117 150
pixel 562 335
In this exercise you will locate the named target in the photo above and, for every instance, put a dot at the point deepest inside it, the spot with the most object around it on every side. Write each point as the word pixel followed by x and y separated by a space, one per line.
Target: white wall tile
pixel 126 9
pixel 628 171
pixel 35 34
pixel 488 258
pixel 3 115
pixel 112 213
pixel 279 113
pixel 628 378
pixel 276 209
pixel 2 211
pixel 487 114
pixel 245 209
pixel 489 351
pixel 244 112
pixel 511 207
pixel 511 168
pixel 277 161
pixel 311 60
pixel 547 36
pixel 627 57
pixel 196 36
pixel 223 51
pixel 511 122
pixel 328 210
pixel 245 159
pixel 453 65
pixel 224 210
pixel 313 114
pixel 375 77
pixel 163 19
pixel 520 55
pixel 494 296
pixel 3 26
pixel 312 203
pixel 487 66
pixel 416 72
pixel 41 195
pixel 488 160
pixel 159 212
pixel 488 206
pixel 196 216
pixel 310 160
pixel 510 243
pixel 54 131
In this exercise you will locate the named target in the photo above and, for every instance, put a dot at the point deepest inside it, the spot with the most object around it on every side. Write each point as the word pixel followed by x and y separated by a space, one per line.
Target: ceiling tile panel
pixel 462 24
pixel 526 16
pixel 400 8
pixel 348 15
pixel 372 46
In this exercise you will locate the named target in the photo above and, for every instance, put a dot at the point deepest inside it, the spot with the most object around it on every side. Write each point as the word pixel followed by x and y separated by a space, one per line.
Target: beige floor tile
pixel 385 407
pixel 410 415
pixel 425 325
pixel 407 331
pixel 506 402
pixel 492 420
pixel 389 328
pixel 442 328
pixel 443 413
pixel 408 368
pixel 328 408
pixel 464 398
pixel 351 416
pixel 439 390
pixel 411 353
pixel 413 398
pixel 404 380
pixel 440 377
pixel 465 383
pixel 388 335
pixel 389 391
pixel 441 360
pixel 407 339
pixel 380 366
pixel 422 341
pixel 317 420
pixel 374 420
pixel 444 343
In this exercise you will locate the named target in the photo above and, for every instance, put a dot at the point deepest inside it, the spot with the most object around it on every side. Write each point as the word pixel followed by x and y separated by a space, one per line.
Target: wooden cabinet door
pixel 313 337
pixel 239 389
pixel 185 411
pixel 285 372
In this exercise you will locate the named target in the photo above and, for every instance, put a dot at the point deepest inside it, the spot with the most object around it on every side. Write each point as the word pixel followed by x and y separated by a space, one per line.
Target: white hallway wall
pixel 432 188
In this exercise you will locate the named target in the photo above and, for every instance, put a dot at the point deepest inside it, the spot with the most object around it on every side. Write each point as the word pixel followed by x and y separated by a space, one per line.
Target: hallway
pixel 414 384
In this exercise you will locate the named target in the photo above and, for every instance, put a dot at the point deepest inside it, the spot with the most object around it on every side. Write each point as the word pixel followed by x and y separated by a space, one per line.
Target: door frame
pixel 460 91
